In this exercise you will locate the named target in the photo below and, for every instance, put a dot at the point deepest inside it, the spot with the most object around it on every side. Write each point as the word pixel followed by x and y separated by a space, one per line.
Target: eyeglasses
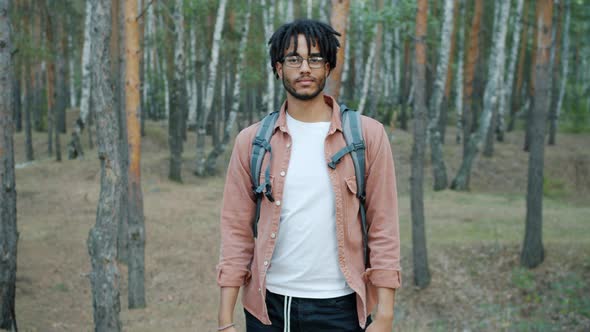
pixel 295 61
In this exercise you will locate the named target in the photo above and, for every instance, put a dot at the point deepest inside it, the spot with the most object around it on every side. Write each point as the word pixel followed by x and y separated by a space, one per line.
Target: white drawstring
pixel 287 314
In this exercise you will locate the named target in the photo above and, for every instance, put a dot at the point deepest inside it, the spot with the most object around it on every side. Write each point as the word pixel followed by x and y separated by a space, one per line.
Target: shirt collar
pixel 335 122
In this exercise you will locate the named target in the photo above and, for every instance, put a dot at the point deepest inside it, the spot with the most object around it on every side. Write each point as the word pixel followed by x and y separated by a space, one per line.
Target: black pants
pixel 307 315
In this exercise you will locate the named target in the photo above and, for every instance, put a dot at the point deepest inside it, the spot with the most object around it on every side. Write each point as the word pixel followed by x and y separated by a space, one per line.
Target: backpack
pixel 355 145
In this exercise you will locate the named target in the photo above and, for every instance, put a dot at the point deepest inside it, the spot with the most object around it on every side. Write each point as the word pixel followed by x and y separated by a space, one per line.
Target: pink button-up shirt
pixel 244 260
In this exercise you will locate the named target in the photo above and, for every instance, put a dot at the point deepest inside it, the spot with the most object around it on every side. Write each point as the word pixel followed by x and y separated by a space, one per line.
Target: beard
pixel 321 82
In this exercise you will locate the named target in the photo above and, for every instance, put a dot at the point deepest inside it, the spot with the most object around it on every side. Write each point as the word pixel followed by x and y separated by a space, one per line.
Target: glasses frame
pixel 301 59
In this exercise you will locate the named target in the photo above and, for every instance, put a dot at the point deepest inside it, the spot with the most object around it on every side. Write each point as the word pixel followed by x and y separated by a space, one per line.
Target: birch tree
pixel 136 229
pixel 204 116
pixel 376 64
pixel 102 239
pixel 419 252
pixel 506 98
pixel 533 253
pixel 496 62
pixel 268 97
pixel 178 101
pixel 368 71
pixel 556 112
pixel 338 20
pixel 74 147
pixel 235 106
pixel 438 164
pixel 8 226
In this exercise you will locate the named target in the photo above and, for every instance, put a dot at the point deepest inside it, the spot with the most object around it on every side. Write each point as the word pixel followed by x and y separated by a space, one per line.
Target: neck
pixel 313 110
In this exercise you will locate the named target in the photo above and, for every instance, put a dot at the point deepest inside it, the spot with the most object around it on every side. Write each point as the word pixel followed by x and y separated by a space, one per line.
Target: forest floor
pixel 474 241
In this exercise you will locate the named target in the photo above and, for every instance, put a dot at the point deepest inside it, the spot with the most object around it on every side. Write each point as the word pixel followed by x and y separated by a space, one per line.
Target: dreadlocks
pixel 316 33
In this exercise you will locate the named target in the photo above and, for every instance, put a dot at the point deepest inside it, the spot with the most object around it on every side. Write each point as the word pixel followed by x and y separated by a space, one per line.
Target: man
pixel 305 269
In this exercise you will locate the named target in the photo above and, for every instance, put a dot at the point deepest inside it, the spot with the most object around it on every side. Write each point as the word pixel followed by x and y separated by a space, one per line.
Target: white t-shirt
pixel 305 259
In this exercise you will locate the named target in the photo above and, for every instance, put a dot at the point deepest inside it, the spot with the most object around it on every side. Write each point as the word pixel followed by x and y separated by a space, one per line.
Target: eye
pixel 292 60
pixel 315 60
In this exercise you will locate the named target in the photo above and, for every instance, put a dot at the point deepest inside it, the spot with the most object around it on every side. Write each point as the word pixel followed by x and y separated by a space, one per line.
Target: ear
pixel 328 69
pixel 279 67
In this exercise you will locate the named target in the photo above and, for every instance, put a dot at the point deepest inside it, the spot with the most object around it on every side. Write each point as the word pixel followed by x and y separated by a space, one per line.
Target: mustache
pixel 306 78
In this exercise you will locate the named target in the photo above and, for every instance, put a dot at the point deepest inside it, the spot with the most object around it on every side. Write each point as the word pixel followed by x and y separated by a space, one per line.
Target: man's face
pixel 303 83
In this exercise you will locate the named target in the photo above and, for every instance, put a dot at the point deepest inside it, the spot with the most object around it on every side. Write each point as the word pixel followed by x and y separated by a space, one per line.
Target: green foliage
pixel 523 279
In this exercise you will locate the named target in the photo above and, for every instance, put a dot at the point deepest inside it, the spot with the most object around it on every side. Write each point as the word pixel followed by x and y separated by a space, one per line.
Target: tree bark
pixel 443 118
pixel 136 228
pixel 533 252
pixel 555 113
pixel 419 252
pixel 459 79
pixel 438 164
pixel 28 105
pixel 102 239
pixel 377 76
pixel 338 20
pixel 202 128
pixel 368 71
pixel 517 91
pixel 495 65
pixel 506 98
pixel 472 58
pixel 178 102
pixel 74 147
pixel 8 225
pixel 268 98
pixel 222 146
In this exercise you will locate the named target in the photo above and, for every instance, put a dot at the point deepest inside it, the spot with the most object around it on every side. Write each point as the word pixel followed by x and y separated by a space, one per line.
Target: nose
pixel 305 66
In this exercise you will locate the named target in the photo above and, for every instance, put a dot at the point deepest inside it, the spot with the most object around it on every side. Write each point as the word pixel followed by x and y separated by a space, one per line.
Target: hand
pixel 381 324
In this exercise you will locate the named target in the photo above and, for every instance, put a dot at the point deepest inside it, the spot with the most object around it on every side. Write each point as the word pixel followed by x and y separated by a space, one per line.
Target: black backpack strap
pixel 260 146
pixel 355 145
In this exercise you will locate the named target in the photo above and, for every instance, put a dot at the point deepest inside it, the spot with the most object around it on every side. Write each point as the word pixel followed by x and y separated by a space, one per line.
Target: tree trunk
pixel 406 83
pixel 269 95
pixel 60 87
pixel 339 19
pixel 419 252
pixel 555 112
pixel 469 77
pixel 495 65
pixel 178 102
pixel 102 239
pixel 506 98
pixel 532 250
pixel 200 169
pixel 136 228
pixel 459 79
pixel 377 76
pixel 51 126
pixel 442 123
pixel 368 71
pixel 74 147
pixel 438 164
pixel 222 147
pixel 531 90
pixel 28 105
pixel 517 91
pixel 9 233
pixel 488 150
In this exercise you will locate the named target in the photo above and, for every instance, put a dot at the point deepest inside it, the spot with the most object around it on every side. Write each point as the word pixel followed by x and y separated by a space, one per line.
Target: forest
pixel 117 120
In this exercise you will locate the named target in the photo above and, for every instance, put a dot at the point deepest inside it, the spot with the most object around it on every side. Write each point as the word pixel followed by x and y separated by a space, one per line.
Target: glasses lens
pixel 294 61
pixel 315 62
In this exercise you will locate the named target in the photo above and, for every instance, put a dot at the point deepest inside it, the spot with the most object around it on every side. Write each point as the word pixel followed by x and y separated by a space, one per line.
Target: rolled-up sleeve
pixel 237 213
pixel 382 213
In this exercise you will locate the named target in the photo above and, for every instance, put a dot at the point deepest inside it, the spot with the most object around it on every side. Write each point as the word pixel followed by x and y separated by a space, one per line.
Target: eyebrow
pixel 296 53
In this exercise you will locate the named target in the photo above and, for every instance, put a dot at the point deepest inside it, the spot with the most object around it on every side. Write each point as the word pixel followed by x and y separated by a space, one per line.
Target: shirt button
pixel 278 203
pixel 283 173
pixel 265 263
pixel 273 235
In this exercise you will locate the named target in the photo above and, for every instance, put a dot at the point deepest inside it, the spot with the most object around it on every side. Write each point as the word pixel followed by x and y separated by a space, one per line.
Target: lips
pixel 305 80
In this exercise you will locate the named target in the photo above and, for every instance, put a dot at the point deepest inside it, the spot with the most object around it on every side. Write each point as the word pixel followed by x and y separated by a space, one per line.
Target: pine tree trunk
pixel 74 147
pixel 419 252
pixel 60 88
pixel 532 251
pixel 506 98
pixel 102 239
pixel 438 164
pixel 28 105
pixel 51 123
pixel 136 228
pixel 201 132
pixel 555 112
pixel 339 19
pixel 495 65
pixel 406 86
pixel 469 77
pixel 459 79
pixel 8 225
pixel 178 105
pixel 219 149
